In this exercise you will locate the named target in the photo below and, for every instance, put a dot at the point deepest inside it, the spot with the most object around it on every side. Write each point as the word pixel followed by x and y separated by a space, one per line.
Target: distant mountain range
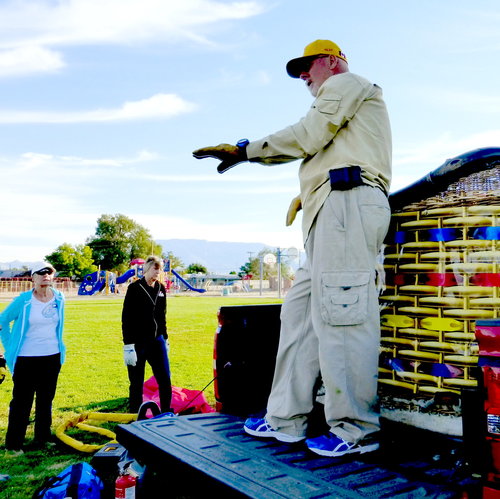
pixel 217 257
pixel 15 264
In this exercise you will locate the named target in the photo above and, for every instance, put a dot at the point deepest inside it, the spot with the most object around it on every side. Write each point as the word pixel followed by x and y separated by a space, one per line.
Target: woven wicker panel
pixel 442 273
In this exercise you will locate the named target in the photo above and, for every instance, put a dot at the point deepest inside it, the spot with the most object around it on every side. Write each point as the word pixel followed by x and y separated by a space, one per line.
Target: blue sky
pixel 102 103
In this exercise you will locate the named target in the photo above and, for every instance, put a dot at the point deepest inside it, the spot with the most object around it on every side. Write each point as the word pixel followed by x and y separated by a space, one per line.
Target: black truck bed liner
pixel 210 453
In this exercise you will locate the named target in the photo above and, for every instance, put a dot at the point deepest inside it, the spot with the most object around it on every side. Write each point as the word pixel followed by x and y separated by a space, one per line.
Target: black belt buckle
pixel 343 179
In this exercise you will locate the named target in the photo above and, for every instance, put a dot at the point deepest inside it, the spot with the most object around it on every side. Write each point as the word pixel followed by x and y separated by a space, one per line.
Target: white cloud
pixel 412 164
pixel 29 59
pixel 159 106
pixel 47 221
pixel 77 22
pixel 50 164
pixel 29 27
pixel 263 77
pixel 466 101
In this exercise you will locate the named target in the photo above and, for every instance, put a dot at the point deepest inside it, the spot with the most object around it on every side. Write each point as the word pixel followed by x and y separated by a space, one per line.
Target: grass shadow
pixel 119 405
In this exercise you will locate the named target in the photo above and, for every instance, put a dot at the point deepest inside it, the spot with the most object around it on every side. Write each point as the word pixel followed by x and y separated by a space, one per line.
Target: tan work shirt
pixel 347 125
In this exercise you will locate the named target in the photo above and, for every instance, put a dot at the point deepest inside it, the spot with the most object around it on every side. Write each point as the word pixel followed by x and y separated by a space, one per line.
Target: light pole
pixel 261 270
pixel 269 259
pixel 278 261
pixel 290 253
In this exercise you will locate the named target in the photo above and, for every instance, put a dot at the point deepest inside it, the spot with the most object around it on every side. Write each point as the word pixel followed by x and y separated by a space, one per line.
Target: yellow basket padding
pixel 484 210
pixel 442 301
pixel 421 245
pixel 470 314
pixel 461 359
pixel 457 382
pixel 394 382
pixel 417 224
pixel 441 324
pixel 418 289
pixel 467 221
pixel 470 267
pixel 419 355
pixel 419 267
pixel 469 290
pixel 419 310
pixel 485 302
pixel 396 320
pixel 417 376
pixel 422 333
pixel 468 243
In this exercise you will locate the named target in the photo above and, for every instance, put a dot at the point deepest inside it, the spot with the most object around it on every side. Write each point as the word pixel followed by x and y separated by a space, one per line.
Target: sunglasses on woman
pixel 43 272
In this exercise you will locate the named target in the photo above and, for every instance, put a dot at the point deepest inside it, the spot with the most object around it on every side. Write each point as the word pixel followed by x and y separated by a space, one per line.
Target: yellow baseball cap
pixel 318 47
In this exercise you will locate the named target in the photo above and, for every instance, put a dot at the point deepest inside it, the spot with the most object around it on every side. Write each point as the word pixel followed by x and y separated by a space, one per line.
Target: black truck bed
pixel 209 453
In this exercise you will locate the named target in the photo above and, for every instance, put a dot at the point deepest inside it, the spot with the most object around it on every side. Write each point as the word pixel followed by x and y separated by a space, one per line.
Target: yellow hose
pixel 80 422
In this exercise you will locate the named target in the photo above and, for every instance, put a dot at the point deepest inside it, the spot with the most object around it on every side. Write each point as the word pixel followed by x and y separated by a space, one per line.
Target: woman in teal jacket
pixel 34 351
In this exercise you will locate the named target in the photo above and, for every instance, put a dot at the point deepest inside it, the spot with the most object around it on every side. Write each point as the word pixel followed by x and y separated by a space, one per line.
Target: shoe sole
pixel 282 437
pixel 354 450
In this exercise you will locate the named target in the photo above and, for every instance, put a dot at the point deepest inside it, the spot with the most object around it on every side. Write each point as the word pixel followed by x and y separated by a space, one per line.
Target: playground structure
pixel 103 281
pixel 185 283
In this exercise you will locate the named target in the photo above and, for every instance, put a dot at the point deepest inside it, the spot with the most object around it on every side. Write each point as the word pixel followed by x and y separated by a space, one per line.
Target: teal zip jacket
pixel 19 312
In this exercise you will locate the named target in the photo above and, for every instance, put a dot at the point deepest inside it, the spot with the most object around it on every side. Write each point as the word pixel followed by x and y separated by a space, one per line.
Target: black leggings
pixel 32 376
pixel 154 352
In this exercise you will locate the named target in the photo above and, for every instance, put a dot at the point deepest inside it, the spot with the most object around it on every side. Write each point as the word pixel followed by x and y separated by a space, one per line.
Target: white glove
pixel 129 355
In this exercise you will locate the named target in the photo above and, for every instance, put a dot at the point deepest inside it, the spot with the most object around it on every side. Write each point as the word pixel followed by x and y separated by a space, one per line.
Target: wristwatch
pixel 242 143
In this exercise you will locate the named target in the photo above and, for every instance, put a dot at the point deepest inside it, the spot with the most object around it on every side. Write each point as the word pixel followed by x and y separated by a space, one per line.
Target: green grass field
pixel 94 377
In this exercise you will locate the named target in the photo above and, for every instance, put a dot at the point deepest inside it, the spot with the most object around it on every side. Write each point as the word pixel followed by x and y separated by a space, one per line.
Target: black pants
pixel 33 376
pixel 154 352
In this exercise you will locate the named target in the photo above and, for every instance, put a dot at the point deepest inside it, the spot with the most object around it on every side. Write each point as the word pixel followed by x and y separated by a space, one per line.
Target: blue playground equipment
pixel 125 277
pixel 185 283
pixel 96 281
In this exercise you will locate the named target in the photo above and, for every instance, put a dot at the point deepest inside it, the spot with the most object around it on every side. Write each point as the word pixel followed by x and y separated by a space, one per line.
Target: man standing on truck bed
pixel 330 324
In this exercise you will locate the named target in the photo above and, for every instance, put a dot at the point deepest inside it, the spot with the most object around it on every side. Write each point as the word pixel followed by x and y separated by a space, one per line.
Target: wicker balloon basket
pixel 442 273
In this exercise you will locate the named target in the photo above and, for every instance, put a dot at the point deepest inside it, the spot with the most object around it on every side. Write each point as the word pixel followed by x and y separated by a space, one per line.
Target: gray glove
pixel 129 355
pixel 295 207
pixel 228 154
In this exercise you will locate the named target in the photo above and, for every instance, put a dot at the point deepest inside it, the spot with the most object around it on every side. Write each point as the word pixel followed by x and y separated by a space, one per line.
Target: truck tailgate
pixel 211 453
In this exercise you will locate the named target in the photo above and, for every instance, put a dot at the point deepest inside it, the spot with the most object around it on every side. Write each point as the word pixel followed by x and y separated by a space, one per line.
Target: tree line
pixel 118 240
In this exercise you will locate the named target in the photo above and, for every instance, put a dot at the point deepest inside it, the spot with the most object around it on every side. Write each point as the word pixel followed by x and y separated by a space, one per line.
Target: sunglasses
pixel 309 64
pixel 43 272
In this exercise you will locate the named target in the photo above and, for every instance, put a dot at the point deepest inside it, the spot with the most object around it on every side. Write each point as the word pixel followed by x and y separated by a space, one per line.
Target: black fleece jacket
pixel 144 312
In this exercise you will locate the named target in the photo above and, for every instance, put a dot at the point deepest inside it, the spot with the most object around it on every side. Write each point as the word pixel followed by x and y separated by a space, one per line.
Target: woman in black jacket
pixel 144 331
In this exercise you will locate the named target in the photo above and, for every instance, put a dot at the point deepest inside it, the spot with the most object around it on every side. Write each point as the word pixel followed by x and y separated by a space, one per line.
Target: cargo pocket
pixel 344 300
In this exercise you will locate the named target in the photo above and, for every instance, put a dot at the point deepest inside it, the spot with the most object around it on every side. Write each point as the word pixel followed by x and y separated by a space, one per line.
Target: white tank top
pixel 41 337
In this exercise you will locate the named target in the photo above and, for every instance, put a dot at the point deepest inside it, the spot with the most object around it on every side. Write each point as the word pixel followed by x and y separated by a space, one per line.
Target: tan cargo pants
pixel 330 320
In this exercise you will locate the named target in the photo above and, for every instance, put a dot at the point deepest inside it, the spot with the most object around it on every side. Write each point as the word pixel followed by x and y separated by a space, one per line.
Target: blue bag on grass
pixel 78 481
